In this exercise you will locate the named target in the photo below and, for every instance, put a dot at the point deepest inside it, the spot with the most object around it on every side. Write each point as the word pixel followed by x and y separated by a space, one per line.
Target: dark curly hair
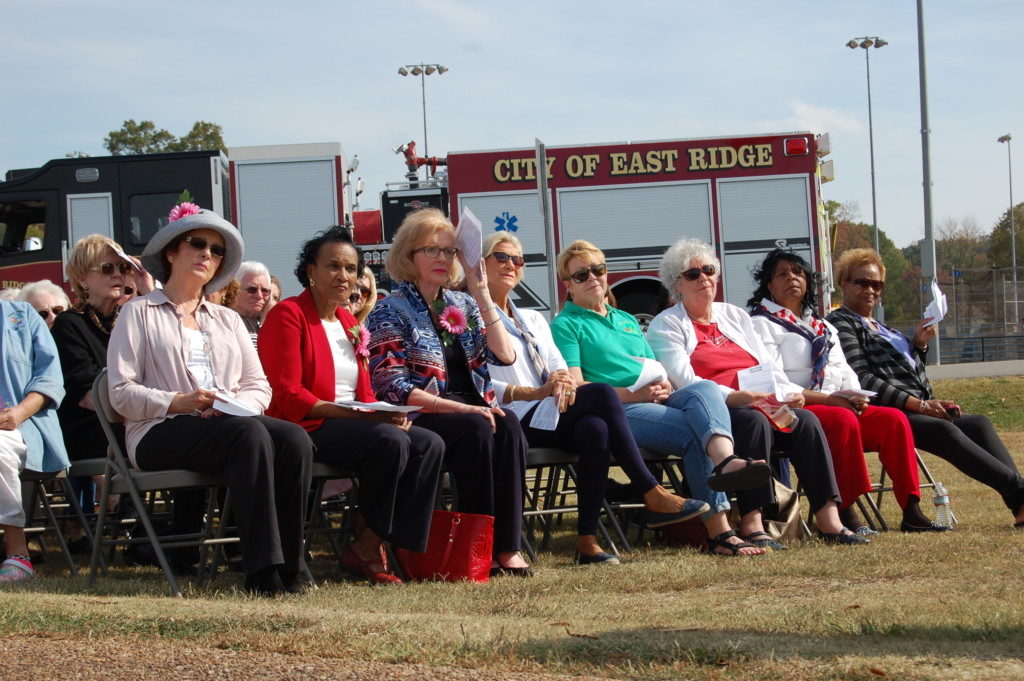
pixel 311 249
pixel 763 276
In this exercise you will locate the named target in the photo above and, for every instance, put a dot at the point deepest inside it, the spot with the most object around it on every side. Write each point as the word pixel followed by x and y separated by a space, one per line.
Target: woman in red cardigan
pixel 314 354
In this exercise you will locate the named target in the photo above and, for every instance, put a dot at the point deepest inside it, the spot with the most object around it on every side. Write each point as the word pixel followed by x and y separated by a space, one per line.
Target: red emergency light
pixel 795 146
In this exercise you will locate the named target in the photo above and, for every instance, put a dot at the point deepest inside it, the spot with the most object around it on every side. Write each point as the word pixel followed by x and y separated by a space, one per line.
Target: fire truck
pixel 745 195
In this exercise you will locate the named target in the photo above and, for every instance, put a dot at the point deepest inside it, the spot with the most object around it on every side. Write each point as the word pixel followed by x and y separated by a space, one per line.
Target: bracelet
pixel 435 404
pixel 511 393
pixel 490 322
pixel 490 307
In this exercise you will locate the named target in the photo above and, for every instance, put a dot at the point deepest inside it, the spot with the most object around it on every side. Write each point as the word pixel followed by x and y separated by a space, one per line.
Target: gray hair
pixel 10 294
pixel 497 238
pixel 44 286
pixel 251 267
pixel 678 257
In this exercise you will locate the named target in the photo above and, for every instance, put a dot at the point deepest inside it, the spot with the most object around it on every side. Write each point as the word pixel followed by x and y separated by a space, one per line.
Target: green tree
pixel 144 138
pixel 999 251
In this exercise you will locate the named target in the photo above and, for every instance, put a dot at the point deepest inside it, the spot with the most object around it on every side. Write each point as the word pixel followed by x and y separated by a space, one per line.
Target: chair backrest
pixel 107 415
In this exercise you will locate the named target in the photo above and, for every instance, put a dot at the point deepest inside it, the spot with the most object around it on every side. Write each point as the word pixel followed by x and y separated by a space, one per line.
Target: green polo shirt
pixel 602 347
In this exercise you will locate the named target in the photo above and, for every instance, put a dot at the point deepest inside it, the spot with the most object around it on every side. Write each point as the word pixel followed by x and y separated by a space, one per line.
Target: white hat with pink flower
pixel 184 218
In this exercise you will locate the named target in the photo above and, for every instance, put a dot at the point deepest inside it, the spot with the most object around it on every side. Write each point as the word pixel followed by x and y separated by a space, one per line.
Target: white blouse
pixel 521 372
pixel 346 368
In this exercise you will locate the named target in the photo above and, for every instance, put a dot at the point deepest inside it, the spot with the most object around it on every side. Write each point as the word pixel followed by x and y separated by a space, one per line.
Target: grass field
pixel 907 606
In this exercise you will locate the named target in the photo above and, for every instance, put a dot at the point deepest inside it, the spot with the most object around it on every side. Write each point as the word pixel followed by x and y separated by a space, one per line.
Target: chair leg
pixel 51 516
pixel 140 505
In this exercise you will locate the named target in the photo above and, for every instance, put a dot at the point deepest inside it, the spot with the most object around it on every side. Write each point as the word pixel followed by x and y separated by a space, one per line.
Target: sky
pixel 564 71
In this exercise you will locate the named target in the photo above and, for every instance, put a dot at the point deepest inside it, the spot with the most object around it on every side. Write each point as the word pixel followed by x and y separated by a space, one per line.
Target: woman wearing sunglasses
pixel 363 297
pixel 591 423
pixel 698 338
pixel 892 365
pixel 430 347
pixel 603 344
pixel 171 355
pixel 805 346
pixel 46 298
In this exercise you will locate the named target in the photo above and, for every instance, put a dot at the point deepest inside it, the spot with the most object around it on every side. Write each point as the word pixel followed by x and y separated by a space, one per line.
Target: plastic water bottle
pixel 943 513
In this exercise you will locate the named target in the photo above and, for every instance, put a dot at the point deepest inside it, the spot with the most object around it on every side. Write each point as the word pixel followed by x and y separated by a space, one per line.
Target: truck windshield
pixel 22 226
pixel 148 214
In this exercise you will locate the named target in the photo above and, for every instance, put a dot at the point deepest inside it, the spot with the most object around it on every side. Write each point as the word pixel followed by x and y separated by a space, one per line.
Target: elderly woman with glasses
pixel 892 365
pixel 603 344
pixel 430 346
pixel 174 359
pixel 700 339
pixel 590 423
pixel 46 298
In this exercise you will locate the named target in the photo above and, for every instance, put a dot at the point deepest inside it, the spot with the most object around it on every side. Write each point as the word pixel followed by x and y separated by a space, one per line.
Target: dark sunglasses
pixel 584 274
pixel 503 258
pixel 872 284
pixel 200 244
pixel 253 290
pixel 46 312
pixel 108 268
pixel 359 294
pixel 693 274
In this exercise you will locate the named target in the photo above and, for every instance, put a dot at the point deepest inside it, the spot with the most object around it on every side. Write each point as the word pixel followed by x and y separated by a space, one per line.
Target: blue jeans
pixel 682 427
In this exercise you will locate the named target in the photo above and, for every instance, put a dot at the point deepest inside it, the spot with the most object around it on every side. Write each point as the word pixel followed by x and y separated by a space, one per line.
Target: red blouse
pixel 717 358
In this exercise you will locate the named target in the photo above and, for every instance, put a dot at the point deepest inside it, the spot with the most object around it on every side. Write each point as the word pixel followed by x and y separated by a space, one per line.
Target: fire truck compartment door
pixel 637 221
pixel 89 214
pixel 755 216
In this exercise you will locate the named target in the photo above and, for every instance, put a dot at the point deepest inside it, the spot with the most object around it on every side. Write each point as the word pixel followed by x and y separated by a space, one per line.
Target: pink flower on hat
pixel 181 210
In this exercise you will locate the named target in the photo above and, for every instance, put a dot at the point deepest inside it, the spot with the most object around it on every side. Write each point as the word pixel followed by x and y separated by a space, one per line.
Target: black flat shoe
pixel 600 558
pixel 930 527
pixel 843 538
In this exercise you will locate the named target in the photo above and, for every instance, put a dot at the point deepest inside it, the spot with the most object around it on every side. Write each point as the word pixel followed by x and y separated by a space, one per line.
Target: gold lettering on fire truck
pixel 519 169
pixel 584 165
pixel 723 158
pixel 640 163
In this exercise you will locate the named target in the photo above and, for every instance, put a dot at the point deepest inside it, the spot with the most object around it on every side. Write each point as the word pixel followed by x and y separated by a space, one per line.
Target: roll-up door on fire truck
pixel 755 216
pixel 635 223
pixel 89 214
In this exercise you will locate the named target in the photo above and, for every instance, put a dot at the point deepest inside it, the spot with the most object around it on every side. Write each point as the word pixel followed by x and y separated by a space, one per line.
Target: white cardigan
pixel 521 372
pixel 672 336
pixel 791 352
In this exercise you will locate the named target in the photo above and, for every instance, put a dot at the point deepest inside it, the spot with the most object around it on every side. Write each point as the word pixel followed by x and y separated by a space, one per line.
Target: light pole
pixel 1013 227
pixel 423 70
pixel 928 244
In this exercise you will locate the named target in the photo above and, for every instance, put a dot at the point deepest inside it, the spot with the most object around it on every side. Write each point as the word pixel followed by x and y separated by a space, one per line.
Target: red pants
pixel 881 429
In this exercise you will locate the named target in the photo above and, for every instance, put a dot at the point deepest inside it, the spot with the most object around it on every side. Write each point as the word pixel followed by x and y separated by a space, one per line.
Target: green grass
pixel 907 606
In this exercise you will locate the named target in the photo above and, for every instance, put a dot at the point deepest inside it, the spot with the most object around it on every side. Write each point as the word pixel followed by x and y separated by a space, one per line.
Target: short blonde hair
pixel 371 298
pixel 416 228
pixel 855 257
pixel 87 253
pixel 497 238
pixel 578 248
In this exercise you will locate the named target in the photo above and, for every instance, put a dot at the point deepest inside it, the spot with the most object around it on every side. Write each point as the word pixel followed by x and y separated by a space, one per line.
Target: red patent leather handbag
pixel 459 549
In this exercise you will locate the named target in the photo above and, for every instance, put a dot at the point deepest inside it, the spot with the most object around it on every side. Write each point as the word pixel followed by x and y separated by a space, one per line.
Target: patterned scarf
pixel 814 331
pixel 517 327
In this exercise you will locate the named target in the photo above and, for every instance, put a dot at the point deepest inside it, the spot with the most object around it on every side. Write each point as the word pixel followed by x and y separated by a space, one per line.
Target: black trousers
pixel 267 465
pixel 488 468
pixel 595 429
pixel 972 445
pixel 397 470
pixel 805 446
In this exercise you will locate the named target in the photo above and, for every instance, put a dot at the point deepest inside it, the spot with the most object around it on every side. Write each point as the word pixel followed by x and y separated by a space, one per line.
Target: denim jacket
pixel 30 364
pixel 406 352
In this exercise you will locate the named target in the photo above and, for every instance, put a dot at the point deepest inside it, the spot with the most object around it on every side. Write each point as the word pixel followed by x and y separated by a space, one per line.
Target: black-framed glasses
pixel 107 268
pixel 200 244
pixel 873 284
pixel 47 311
pixel 584 274
pixel 434 251
pixel 693 274
pixel 503 258
pixel 256 290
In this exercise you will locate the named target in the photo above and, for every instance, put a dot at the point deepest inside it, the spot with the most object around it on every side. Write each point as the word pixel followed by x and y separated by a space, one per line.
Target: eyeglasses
pixel 200 244
pixel 434 251
pixel 693 274
pixel 503 258
pixel 107 268
pixel 47 311
pixel 359 294
pixel 257 290
pixel 873 284
pixel 584 274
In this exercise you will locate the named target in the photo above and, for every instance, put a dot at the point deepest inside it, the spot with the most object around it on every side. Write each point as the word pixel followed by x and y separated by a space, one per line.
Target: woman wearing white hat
pixel 170 354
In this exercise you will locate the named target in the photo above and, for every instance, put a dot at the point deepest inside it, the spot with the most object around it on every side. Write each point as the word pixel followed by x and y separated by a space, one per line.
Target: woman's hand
pixel 924 331
pixel 856 404
pixel 143 279
pixel 795 400
pixel 562 386
pixel 396 418
pixel 12 417
pixel 86 401
pixel 476 276
pixel 744 398
pixel 198 401
pixel 485 412
pixel 933 408
pixel 656 391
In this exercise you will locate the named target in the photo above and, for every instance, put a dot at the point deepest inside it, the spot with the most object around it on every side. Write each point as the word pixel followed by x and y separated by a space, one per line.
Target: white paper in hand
pixel 227 404
pixel 760 379
pixel 651 371
pixel 469 237
pixel 376 406
pixel 545 416
pixel 937 308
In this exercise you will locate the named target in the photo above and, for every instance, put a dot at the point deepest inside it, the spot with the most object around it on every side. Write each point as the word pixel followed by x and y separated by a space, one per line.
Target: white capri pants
pixel 12 461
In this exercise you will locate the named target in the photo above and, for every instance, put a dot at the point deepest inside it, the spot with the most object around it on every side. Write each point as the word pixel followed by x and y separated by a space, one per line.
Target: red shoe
pixel 353 565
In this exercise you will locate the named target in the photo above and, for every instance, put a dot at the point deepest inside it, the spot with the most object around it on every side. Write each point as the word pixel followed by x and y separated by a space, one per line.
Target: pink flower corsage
pixel 181 210
pixel 453 320
pixel 360 340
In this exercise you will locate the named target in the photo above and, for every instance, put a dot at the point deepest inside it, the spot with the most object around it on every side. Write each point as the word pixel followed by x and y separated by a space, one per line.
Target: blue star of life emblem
pixel 506 222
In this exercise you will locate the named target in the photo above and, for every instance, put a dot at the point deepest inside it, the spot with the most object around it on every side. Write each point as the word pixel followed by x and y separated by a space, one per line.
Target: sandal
pixel 734 549
pixel 749 477
pixel 763 540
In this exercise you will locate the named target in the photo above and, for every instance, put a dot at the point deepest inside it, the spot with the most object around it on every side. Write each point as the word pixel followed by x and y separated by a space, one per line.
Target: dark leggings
pixel 268 465
pixel 972 445
pixel 488 467
pixel 595 429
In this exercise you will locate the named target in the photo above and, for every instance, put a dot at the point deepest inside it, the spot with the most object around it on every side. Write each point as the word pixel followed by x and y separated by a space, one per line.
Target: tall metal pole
pixel 1013 228
pixel 928 244
pixel 426 147
pixel 871 148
